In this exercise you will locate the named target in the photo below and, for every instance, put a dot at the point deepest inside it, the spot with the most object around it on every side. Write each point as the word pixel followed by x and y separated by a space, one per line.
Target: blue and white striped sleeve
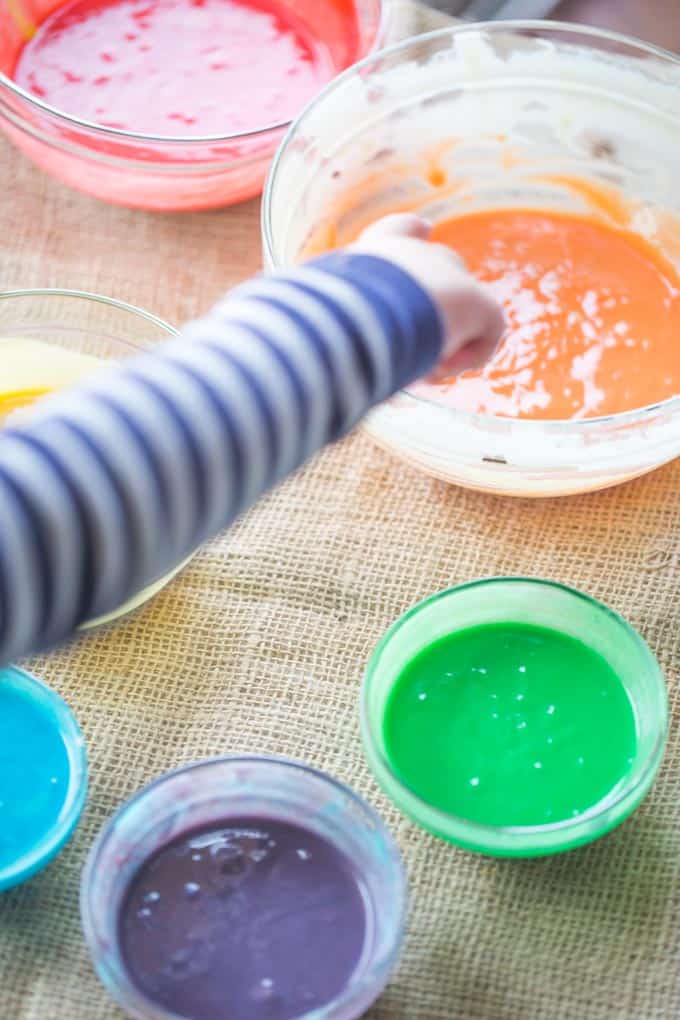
pixel 111 485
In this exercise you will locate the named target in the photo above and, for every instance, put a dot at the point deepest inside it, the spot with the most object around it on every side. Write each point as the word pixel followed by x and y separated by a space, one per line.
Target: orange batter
pixel 593 317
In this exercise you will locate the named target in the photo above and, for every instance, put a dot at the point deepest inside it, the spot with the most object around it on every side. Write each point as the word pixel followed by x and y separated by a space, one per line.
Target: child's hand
pixel 473 321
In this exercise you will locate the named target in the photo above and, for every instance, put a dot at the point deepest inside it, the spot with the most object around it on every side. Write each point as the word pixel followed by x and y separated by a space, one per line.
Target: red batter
pixel 175 67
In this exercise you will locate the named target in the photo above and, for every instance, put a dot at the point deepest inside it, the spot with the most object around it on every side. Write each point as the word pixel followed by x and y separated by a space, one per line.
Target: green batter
pixel 509 724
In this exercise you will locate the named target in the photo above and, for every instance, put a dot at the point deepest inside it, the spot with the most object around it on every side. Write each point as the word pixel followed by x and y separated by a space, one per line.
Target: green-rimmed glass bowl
pixel 538 603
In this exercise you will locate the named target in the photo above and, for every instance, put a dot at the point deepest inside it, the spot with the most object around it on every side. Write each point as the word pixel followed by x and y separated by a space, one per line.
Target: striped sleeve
pixel 111 485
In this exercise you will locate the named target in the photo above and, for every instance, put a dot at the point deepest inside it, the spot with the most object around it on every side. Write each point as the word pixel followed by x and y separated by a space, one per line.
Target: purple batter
pixel 252 918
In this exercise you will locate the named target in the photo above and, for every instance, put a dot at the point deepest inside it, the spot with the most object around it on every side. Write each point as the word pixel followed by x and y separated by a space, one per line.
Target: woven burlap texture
pixel 260 645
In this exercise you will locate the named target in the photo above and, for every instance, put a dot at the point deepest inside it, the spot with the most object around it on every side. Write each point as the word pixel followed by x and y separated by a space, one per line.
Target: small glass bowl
pixel 64 722
pixel 236 786
pixel 93 325
pixel 530 114
pixel 544 604
pixel 153 171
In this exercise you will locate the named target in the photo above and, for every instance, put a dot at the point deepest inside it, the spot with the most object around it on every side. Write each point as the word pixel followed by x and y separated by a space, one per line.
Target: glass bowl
pixel 154 171
pixel 532 114
pixel 62 720
pixel 88 324
pixel 544 604
pixel 238 786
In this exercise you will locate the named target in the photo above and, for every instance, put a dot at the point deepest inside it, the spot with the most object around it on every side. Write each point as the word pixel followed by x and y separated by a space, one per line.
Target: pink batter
pixel 175 67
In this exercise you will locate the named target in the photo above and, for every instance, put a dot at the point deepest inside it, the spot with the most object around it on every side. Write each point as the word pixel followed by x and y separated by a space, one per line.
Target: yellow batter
pixel 30 369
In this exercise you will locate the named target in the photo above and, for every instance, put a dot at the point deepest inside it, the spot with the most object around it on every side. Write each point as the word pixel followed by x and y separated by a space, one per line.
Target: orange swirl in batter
pixel 593 317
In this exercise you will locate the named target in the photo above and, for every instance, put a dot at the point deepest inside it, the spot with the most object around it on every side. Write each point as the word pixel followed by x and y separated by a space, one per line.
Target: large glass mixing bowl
pixel 156 171
pixel 531 114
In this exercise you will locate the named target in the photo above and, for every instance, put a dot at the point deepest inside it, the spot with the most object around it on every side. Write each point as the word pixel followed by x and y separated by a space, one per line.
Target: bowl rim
pixel 84 295
pixel 510 839
pixel 552 426
pixel 385 14
pixel 354 994
pixel 64 722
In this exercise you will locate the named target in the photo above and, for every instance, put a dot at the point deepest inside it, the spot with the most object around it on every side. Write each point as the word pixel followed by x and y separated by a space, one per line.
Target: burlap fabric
pixel 260 645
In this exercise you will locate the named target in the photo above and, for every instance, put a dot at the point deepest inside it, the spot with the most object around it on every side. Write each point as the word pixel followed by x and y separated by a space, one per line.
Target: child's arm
pixel 110 486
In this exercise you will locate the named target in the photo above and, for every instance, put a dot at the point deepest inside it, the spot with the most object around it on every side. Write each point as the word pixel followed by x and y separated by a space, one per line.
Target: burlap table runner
pixel 260 645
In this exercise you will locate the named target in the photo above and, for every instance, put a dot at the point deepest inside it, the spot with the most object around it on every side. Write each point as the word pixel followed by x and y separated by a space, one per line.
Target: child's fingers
pixel 473 321
pixel 475 325
pixel 474 355
pixel 397 225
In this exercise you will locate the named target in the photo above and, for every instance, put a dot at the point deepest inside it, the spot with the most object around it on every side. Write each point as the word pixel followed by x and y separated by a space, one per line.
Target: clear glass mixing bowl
pixel 532 114
pixel 88 324
pixel 154 171
pixel 206 793
pixel 542 604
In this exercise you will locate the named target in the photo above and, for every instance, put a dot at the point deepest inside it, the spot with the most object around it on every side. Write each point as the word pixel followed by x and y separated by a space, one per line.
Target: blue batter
pixel 34 772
